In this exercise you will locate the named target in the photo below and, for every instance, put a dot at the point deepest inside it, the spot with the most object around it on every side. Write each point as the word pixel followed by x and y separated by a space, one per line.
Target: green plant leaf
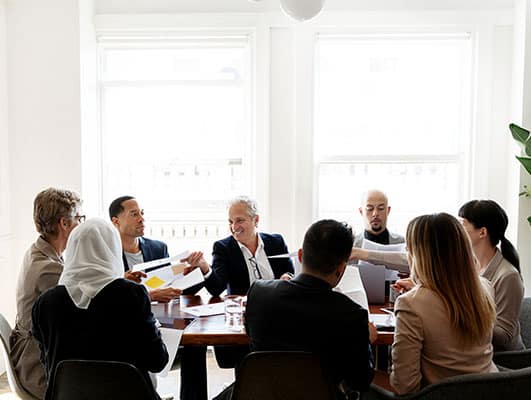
pixel 526 163
pixel 519 134
pixel 528 148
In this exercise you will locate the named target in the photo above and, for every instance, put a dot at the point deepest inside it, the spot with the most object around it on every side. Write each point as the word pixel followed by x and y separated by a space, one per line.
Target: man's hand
pixel 164 295
pixel 403 285
pixel 196 259
pixel 373 333
pixel 134 276
pixel 358 254
pixel 287 276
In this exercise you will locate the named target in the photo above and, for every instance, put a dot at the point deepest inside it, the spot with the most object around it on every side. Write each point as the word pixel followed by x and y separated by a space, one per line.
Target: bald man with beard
pixel 375 209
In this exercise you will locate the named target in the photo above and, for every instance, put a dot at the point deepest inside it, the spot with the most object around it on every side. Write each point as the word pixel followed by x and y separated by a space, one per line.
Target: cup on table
pixel 233 312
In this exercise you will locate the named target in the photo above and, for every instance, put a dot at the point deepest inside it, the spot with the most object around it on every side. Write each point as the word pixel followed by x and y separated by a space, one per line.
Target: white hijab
pixel 93 260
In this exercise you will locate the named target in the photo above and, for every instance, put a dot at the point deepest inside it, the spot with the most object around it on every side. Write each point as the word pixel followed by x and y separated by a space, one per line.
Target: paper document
pixel 171 338
pixel 161 261
pixel 390 274
pixel 206 310
pixel 352 286
pixel 182 281
pixel 172 276
pixel 287 255
pixel 383 320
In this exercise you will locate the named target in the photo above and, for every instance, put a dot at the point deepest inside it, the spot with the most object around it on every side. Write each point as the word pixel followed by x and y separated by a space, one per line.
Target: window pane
pixel 391 95
pixel 177 134
pixel 413 189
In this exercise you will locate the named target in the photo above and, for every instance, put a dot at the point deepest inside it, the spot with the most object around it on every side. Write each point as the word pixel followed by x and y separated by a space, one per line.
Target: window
pixel 392 112
pixel 176 131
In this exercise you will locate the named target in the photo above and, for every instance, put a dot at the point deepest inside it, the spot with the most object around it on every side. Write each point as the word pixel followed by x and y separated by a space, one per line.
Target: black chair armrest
pixel 516 359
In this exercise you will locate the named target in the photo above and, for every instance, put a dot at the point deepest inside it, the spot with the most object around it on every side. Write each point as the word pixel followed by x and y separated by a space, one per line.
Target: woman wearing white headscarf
pixel 94 313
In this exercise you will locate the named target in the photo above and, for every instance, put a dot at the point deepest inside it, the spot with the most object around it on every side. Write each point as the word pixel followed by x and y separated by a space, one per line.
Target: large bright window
pixel 392 112
pixel 176 131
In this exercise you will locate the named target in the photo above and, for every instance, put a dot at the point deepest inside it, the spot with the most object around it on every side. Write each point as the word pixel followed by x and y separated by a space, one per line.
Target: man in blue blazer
pixel 127 216
pixel 241 259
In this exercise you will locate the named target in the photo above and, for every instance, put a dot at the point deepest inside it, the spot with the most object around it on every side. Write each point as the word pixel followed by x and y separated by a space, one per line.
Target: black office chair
pixel 513 385
pixel 281 375
pixel 98 380
pixel 515 359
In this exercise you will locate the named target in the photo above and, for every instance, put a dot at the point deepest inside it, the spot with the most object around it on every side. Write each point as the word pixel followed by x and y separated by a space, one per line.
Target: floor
pixel 168 386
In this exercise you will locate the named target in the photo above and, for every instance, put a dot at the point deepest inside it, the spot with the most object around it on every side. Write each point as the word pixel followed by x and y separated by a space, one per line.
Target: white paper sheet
pixel 172 339
pixel 286 255
pixel 383 320
pixel 352 286
pixel 173 276
pixel 206 309
pixel 182 281
pixel 390 274
pixel 161 261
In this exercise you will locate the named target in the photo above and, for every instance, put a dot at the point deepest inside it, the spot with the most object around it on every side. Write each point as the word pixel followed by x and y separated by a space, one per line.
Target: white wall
pixel 43 68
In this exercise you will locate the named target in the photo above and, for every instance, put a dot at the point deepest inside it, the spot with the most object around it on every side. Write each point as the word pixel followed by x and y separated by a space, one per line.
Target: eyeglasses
pixel 256 272
pixel 80 218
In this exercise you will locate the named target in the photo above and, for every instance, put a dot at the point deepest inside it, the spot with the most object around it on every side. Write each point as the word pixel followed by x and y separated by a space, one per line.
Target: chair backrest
pixel 95 380
pixel 12 378
pixel 508 384
pixel 525 321
pixel 279 375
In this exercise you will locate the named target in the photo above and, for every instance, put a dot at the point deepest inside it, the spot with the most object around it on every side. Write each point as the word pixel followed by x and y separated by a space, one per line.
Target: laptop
pixel 373 278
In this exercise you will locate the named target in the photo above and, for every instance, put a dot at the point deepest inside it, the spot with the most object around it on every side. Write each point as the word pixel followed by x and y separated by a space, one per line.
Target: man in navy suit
pixel 243 258
pixel 127 216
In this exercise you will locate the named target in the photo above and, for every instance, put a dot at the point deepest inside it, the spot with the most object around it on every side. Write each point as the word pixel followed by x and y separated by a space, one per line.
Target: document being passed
pixel 172 275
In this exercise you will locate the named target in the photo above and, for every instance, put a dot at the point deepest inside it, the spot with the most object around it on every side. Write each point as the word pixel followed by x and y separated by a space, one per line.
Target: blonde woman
pixel 445 323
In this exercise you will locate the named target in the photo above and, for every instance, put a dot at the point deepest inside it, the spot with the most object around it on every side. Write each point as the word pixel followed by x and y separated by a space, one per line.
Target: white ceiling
pixel 215 6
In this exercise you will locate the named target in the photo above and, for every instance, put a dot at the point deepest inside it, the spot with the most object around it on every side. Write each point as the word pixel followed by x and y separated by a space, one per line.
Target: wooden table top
pixel 212 330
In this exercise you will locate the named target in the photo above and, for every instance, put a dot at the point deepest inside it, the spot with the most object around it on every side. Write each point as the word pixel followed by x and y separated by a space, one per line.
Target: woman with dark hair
pixel 485 222
pixel 444 323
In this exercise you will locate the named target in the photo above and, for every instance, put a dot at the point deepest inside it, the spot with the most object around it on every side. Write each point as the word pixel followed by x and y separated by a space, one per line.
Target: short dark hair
pixel 327 243
pixel 116 206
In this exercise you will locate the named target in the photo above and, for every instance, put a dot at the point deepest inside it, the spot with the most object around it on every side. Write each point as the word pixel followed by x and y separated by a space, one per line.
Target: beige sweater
pixel 40 271
pixel 426 348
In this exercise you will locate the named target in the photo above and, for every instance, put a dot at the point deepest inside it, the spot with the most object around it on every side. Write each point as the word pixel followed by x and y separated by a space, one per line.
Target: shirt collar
pixel 245 250
pixel 492 265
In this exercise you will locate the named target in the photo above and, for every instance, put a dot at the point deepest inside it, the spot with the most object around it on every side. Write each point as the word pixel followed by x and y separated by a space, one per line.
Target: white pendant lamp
pixel 302 10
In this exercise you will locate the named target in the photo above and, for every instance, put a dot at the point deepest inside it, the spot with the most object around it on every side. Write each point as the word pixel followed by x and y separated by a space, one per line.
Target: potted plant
pixel 523 138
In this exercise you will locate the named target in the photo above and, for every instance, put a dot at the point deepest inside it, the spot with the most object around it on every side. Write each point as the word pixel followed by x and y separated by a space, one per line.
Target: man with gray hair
pixel 242 258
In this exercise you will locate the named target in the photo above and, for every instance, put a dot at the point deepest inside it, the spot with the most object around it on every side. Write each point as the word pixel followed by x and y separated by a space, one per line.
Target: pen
pixel 385 310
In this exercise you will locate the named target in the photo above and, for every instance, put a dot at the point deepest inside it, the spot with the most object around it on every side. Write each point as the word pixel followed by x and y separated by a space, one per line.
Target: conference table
pixel 211 330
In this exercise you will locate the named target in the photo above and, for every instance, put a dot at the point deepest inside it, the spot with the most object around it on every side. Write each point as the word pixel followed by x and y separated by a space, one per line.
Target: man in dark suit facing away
pixel 305 314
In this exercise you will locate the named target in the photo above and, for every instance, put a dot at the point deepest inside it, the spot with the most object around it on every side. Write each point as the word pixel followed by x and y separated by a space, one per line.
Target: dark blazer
pixel 117 326
pixel 305 314
pixel 229 268
pixel 151 250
